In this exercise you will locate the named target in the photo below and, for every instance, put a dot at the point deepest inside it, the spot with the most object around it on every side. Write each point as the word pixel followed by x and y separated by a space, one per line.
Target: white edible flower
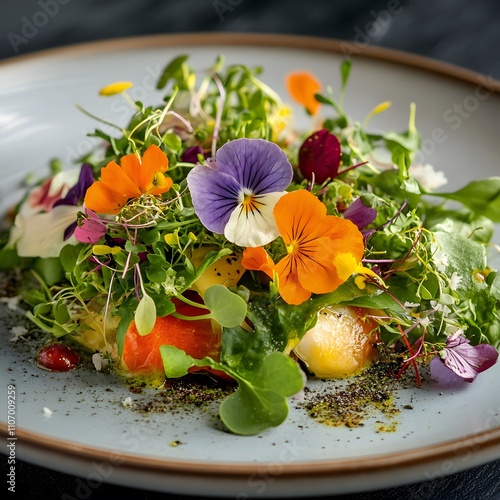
pixel 39 226
pixel 425 322
pixel 442 308
pixel 411 304
pixel 455 280
pixel 427 177
pixel 440 261
pixel 42 234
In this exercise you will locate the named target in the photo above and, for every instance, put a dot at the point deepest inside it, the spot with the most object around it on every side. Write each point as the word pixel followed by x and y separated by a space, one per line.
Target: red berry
pixel 57 358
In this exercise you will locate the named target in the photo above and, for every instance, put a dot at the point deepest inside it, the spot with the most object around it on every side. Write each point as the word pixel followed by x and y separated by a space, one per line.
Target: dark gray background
pixel 462 32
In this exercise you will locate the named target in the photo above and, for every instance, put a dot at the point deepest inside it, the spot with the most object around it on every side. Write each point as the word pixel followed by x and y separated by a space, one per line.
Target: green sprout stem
pixel 94 117
pixel 191 318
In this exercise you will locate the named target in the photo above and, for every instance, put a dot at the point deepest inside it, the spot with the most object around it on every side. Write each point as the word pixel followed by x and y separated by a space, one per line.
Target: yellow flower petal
pixel 360 281
pixel 346 265
pixel 115 88
pixel 379 108
pixel 105 249
pixel 172 239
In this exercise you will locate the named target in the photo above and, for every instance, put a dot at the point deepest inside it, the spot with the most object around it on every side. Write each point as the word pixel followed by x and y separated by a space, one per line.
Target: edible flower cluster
pixel 213 209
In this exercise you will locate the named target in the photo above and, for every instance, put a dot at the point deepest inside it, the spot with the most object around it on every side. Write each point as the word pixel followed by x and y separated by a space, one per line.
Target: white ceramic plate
pixel 90 433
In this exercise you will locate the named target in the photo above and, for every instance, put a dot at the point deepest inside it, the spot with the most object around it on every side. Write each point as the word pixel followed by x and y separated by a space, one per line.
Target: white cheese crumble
pixel 99 361
pixel 18 333
pixel 128 402
pixel 12 302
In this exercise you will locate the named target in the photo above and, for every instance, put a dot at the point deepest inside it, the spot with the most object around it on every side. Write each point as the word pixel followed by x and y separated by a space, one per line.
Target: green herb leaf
pixel 482 197
pixel 60 312
pixel 171 71
pixel 145 315
pixel 261 398
pixel 173 142
pixel 50 269
pixel 8 259
pixel 126 314
pixel 466 258
pixel 226 307
pixel 176 362
pixel 261 401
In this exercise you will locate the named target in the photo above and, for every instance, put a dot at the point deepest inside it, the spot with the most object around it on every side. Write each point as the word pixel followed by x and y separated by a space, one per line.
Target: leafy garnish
pixel 261 398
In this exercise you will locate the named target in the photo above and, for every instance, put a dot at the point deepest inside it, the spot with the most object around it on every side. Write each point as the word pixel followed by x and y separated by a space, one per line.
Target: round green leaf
pixel 227 308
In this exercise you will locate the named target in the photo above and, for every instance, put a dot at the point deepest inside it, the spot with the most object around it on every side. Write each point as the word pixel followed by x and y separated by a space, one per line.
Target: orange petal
pixel 154 160
pixel 103 200
pixel 315 268
pixel 115 179
pixel 131 165
pixel 302 86
pixel 313 238
pixel 346 238
pixel 291 290
pixel 296 213
pixel 257 259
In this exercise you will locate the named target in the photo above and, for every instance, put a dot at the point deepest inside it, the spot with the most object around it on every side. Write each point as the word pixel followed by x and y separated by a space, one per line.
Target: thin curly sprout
pixel 156 118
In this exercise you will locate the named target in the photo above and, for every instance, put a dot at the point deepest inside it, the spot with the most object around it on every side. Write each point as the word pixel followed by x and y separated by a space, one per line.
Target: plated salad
pixel 210 235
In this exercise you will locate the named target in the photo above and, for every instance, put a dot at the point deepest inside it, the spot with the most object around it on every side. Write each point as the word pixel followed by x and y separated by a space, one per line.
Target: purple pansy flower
pixel 235 195
pixel 91 230
pixel 460 359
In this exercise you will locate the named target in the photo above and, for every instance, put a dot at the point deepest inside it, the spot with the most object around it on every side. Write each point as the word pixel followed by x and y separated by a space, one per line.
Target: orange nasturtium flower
pixel 134 177
pixel 302 86
pixel 323 250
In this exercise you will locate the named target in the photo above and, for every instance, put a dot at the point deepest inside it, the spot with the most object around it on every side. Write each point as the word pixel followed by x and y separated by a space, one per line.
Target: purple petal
pixel 257 165
pixel 455 340
pixel 360 214
pixel 76 194
pixel 467 360
pixel 443 375
pixel 191 154
pixel 488 355
pixel 320 156
pixel 68 232
pixel 215 196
